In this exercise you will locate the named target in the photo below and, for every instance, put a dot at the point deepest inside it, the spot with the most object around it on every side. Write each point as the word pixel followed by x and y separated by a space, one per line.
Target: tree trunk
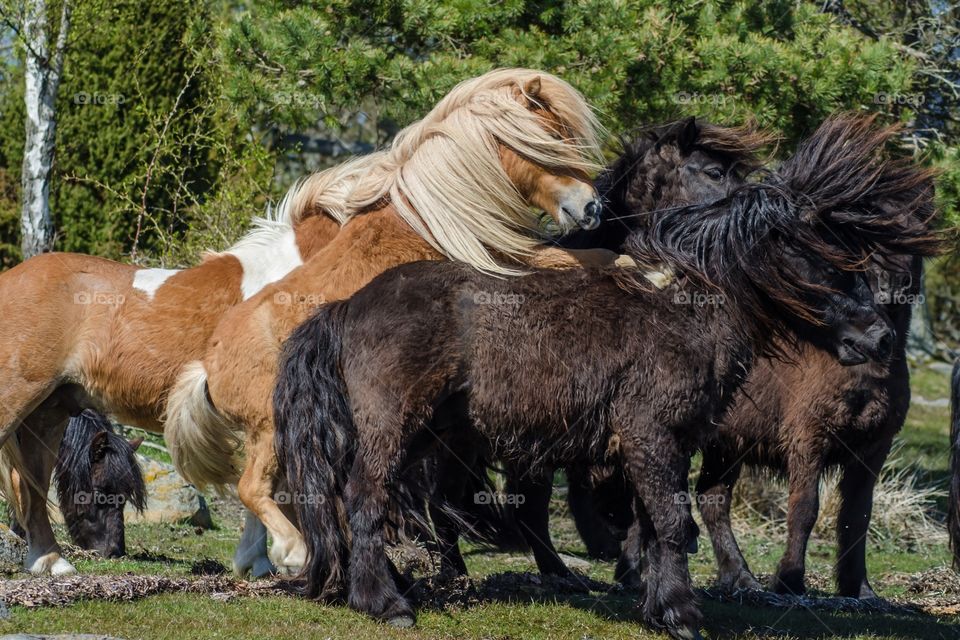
pixel 42 78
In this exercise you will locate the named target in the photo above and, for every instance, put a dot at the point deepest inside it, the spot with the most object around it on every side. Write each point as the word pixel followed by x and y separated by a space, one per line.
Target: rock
pixel 170 498
pixel 575 563
pixel 13 550
pixel 945 368
pixel 923 402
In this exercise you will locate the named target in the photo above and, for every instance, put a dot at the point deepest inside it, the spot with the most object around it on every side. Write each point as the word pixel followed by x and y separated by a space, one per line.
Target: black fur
pixel 96 475
pixel 648 369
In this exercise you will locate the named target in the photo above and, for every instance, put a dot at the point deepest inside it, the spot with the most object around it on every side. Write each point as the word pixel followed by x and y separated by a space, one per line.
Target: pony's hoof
pixel 403 621
pixel 262 568
pixel 53 564
pixel 62 568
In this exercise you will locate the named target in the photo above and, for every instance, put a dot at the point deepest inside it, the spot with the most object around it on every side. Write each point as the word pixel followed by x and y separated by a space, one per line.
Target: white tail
pixel 206 447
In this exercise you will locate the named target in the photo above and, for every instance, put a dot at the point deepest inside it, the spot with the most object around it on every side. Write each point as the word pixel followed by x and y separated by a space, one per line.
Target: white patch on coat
pixel 149 280
pixel 266 256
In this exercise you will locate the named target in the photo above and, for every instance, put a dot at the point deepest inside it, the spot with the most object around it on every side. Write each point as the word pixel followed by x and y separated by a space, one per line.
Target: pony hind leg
pixel 853 521
pixel 718 476
pixel 251 554
pixel 256 489
pixel 379 455
pixel 657 466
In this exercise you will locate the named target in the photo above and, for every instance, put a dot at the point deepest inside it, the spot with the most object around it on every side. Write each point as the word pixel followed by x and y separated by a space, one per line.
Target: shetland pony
pixel 667 165
pixel 809 412
pixel 83 332
pixel 460 184
pixel 773 263
pixel 96 476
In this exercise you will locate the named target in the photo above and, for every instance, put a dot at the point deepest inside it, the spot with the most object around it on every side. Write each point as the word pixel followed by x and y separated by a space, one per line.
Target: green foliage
pixel 147 151
pixel 785 63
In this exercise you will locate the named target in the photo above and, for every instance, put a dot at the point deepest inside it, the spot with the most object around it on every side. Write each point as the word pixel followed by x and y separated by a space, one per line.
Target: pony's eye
pixel 714 173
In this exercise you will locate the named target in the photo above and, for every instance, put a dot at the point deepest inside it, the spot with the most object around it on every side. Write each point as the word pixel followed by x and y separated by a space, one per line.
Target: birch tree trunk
pixel 42 77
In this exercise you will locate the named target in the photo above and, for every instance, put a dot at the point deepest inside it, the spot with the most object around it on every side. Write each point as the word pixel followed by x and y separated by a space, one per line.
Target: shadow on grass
pixel 806 618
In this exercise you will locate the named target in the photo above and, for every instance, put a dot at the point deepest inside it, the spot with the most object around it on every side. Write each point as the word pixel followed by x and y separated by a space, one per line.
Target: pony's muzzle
pixel 875 343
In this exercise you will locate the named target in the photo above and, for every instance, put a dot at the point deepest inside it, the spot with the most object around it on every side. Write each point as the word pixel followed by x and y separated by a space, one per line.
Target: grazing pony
pixel 370 384
pixel 96 476
pixel 953 509
pixel 82 332
pixel 461 184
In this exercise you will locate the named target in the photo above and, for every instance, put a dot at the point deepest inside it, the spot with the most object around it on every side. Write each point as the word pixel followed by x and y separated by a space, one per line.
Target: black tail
pixel 315 440
pixel 953 509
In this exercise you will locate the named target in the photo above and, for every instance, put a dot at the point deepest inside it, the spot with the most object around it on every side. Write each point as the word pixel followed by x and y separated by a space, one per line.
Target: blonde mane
pixel 443 174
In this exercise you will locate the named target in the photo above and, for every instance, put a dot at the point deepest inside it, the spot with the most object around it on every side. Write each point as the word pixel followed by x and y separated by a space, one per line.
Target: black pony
pixel 372 383
pixel 96 476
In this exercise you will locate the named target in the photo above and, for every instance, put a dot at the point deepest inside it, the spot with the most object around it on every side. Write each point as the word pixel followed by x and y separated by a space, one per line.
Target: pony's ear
pixel 99 446
pixel 689 134
pixel 532 87
pixel 136 442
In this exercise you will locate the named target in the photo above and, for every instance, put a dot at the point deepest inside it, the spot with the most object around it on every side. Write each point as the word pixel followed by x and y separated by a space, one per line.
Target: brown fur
pixel 76 334
pixel 241 362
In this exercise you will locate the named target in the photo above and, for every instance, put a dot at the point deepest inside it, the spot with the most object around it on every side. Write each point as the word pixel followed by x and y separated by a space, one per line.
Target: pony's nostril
pixel 886 344
pixel 592 210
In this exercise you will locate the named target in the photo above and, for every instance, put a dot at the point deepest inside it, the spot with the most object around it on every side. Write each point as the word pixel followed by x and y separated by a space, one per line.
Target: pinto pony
pixel 370 384
pixel 461 184
pixel 114 337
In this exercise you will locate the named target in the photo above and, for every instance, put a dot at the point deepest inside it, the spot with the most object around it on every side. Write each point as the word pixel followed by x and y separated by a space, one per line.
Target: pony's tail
pixel 953 508
pixel 205 446
pixel 315 442
pixel 12 470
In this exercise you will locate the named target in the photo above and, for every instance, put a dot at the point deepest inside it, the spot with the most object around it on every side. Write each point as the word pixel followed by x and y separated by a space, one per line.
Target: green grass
pixel 171 550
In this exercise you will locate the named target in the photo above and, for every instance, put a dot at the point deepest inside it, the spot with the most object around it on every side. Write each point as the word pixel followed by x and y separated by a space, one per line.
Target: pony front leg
pixel 39 457
pixel 251 554
pixel 288 553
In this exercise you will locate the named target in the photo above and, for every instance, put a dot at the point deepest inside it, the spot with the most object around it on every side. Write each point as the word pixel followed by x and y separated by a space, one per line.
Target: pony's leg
pixel 853 521
pixel 40 438
pixel 373 587
pixel 251 554
pixel 718 476
pixel 532 498
pixel 256 487
pixel 803 506
pixel 599 541
pixel 657 466
pixel 629 569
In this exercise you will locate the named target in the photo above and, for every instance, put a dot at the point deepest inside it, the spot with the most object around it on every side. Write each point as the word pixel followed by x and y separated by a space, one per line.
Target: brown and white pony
pixel 84 332
pixel 461 185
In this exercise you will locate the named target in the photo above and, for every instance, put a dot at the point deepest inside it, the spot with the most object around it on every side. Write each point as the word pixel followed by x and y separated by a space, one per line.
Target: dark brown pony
pixel 668 165
pixel 371 383
pixel 809 413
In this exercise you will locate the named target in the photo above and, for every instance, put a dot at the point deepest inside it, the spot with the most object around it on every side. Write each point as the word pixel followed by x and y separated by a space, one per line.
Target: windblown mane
pixel 443 174
pixel 838 200
pixel 630 185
